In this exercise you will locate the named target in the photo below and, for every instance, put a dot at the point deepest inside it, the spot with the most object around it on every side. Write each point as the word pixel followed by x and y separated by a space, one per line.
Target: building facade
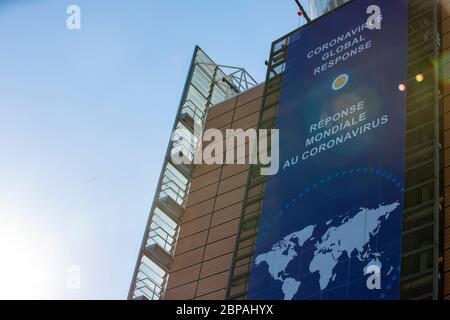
pixel 202 230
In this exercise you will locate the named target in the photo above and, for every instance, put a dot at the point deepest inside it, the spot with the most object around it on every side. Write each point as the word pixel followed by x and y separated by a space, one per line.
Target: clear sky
pixel 85 117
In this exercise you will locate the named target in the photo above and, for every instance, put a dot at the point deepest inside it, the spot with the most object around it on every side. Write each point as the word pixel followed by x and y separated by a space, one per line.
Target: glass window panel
pixel 184 141
pixel 201 80
pixel 174 184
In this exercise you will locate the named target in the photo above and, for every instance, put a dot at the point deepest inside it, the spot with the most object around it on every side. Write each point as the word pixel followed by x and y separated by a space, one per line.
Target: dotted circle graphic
pixel 268 223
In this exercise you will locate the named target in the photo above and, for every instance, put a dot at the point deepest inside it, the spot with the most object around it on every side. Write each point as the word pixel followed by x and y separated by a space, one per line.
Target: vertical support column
pixel 437 150
pixel 254 195
pixel 445 76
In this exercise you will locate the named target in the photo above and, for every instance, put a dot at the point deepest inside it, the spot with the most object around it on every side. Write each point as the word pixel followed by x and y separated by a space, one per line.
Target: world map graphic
pixel 346 236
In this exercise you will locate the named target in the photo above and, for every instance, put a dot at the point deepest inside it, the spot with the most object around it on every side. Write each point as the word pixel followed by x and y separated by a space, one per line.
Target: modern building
pixel 200 240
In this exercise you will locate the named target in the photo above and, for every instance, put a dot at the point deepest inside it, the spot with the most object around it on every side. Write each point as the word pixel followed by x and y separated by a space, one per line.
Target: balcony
pixel 159 256
pixel 171 208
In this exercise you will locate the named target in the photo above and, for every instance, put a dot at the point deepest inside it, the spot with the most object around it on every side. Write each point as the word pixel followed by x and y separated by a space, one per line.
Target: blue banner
pixel 331 225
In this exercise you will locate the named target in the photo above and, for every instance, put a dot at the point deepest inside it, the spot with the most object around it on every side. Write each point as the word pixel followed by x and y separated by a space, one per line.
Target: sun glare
pixel 28 268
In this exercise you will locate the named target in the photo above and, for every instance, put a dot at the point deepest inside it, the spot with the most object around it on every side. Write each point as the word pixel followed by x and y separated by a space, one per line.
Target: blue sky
pixel 85 117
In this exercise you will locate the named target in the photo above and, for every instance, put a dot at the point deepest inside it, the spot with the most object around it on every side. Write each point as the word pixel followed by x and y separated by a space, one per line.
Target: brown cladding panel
pixel 446 88
pixel 446 41
pixel 229 198
pixel 185 292
pixel 195 226
pixel 210 223
pixel 192 242
pixel 221 121
pixel 233 169
pixel 447 199
pixel 215 155
pixel 233 142
pixel 226 214
pixel 218 295
pixel 447 104
pixel 233 152
pixel 233 183
pixel 216 265
pixel 447 239
pixel 219 248
pixel 447 157
pixel 250 95
pixel 212 284
pixel 446 26
pixel 223 231
pixel 447 261
pixel 187 259
pixel 202 169
pixel 445 12
pixel 447 177
pixel 446 218
pixel 182 277
pixel 199 210
pixel 447 121
pixel 201 195
pixel 213 144
pixel 447 284
pixel 248 122
pixel 247 109
pixel 206 179
pixel 446 70
pixel 221 108
pixel 446 145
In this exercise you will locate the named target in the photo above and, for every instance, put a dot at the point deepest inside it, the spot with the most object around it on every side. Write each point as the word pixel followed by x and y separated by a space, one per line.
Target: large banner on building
pixel 331 225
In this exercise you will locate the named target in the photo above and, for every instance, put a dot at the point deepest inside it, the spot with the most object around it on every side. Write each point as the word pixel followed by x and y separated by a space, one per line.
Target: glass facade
pixel 206 85
pixel 317 8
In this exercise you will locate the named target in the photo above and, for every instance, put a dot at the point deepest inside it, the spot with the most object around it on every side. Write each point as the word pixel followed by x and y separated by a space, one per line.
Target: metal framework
pixel 238 79
pixel 303 11
pixel 207 84
pixel 423 168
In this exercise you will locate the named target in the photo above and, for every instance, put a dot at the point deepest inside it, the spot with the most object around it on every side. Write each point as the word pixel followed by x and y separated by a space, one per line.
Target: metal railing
pixel 161 237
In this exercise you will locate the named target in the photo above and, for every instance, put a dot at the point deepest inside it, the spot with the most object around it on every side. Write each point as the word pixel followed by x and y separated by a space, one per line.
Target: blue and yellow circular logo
pixel 340 82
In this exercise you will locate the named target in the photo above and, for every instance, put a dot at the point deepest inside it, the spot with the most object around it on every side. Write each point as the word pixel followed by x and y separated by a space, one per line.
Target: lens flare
pixel 420 77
